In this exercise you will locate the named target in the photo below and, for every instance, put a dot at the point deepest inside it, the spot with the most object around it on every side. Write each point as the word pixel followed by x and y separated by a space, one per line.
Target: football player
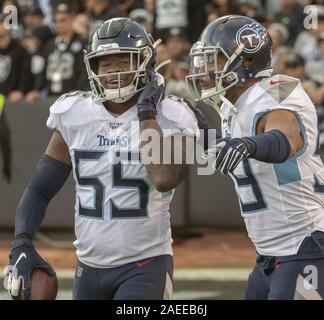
pixel 122 223
pixel 270 148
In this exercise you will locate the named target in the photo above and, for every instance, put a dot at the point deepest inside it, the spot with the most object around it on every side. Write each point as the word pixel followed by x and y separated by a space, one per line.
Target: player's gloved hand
pixel 23 258
pixel 230 152
pixel 150 97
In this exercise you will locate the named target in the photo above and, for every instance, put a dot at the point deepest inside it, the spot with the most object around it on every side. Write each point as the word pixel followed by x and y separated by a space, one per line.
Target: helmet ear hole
pixel 246 63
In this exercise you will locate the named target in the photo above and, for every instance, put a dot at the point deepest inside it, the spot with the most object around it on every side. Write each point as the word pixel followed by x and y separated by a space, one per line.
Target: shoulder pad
pixel 279 86
pixel 67 100
pixel 173 107
pixel 73 94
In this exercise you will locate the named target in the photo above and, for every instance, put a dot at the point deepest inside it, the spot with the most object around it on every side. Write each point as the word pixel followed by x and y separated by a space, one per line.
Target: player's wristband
pixel 146 115
pixel 271 147
pixel 22 238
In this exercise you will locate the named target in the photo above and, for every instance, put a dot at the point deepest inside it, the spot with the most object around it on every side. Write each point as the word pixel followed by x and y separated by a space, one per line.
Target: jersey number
pixel 97 211
pixel 249 181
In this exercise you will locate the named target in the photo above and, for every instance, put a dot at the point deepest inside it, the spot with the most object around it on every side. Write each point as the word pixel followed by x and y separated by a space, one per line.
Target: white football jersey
pixel 119 215
pixel 281 203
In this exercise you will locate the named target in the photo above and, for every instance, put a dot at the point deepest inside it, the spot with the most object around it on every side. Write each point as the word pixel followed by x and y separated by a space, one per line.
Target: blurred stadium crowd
pixel 43 56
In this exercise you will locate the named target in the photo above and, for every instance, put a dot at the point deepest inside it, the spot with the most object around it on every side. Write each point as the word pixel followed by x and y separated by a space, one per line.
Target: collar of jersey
pixel 103 115
pixel 242 98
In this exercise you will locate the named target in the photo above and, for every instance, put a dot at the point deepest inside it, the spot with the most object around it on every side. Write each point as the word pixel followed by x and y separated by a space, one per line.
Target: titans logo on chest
pixel 120 141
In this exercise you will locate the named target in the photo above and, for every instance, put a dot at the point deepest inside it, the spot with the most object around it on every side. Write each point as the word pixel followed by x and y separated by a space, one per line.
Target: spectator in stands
pixel 279 35
pixel 189 15
pixel 295 67
pixel 315 69
pixel 217 8
pixel 143 17
pixel 176 84
pixel 64 70
pixel 281 56
pixel 307 41
pixel 81 25
pixel 125 6
pixel 177 43
pixel 149 5
pixel 99 11
pixel 37 42
pixel 15 74
pixel 33 18
pixel 292 16
pixel 252 9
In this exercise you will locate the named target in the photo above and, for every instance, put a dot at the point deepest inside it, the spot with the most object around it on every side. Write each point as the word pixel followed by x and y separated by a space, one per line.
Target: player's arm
pixel 286 123
pixel 49 176
pixel 164 176
pixel 278 138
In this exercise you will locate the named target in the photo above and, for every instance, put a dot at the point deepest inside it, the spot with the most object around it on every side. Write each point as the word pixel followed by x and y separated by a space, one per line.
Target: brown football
pixel 42 286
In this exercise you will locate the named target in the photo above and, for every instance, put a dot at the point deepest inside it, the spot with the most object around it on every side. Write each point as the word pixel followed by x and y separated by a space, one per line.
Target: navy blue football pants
pixel 296 277
pixel 148 279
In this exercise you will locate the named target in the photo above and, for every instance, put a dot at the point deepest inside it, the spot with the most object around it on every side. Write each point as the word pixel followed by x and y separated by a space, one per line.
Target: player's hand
pixel 23 258
pixel 150 97
pixel 230 152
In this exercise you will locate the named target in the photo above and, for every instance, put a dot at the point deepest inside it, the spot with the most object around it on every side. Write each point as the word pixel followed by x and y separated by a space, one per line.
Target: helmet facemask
pixel 204 65
pixel 139 60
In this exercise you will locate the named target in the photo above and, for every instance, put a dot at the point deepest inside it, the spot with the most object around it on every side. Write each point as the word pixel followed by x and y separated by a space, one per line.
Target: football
pixel 42 286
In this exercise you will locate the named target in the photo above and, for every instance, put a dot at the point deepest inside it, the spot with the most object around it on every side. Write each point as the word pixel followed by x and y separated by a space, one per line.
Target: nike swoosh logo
pixel 276 82
pixel 22 255
pixel 143 263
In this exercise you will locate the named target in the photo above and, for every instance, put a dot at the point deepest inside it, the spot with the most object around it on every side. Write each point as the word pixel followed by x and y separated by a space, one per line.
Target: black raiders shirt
pixel 15 73
pixel 65 70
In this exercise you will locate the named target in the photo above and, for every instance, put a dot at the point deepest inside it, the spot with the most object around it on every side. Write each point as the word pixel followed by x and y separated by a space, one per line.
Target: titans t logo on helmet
pixel 251 36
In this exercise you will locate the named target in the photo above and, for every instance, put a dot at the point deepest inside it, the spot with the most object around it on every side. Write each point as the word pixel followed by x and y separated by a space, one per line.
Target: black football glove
pixel 150 97
pixel 230 152
pixel 23 258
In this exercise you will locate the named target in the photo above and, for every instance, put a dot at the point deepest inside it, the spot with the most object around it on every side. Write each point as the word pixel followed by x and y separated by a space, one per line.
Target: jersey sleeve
pixel 176 118
pixel 287 93
pixel 280 92
pixel 283 92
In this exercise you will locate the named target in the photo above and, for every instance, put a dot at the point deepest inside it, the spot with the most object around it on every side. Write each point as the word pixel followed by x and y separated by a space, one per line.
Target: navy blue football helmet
pixel 120 36
pixel 236 38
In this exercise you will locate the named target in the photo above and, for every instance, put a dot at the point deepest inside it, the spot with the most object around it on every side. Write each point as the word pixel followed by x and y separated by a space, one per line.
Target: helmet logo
pixel 251 36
